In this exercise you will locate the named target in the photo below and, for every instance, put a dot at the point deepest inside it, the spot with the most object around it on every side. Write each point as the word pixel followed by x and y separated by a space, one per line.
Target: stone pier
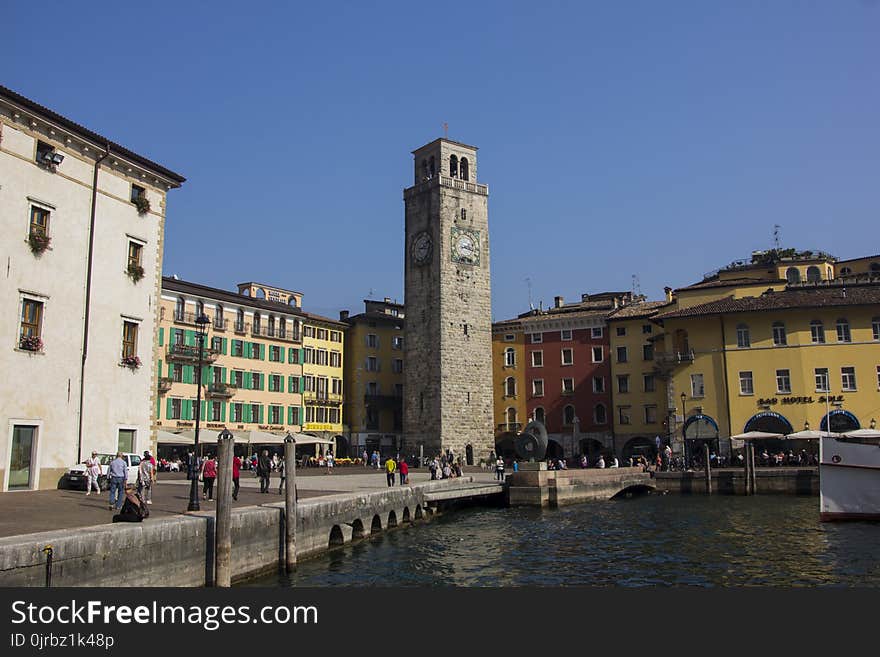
pixel 551 488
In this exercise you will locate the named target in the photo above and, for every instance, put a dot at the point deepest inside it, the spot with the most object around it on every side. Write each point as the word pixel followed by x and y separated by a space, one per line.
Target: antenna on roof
pixel 636 286
pixel 529 284
pixel 370 294
pixel 445 130
pixel 776 228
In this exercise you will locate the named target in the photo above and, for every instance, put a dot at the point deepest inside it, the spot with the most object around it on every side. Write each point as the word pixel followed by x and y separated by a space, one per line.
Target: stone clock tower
pixel 448 339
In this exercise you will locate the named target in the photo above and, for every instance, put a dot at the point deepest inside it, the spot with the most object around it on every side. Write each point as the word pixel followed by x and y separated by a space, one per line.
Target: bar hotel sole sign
pixel 770 401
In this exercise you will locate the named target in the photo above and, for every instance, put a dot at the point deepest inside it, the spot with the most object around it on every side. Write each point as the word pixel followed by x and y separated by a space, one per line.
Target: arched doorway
pixel 342 447
pixel 554 450
pixel 639 447
pixel 469 454
pixel 504 445
pixel 770 422
pixel 841 422
pixel 592 448
pixel 700 430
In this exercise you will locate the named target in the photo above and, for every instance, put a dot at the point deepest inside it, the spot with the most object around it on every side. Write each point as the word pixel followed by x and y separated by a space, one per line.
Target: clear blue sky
pixel 661 139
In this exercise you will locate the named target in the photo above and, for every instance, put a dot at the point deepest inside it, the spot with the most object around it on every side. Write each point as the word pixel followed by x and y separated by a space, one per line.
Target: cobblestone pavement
pixel 25 512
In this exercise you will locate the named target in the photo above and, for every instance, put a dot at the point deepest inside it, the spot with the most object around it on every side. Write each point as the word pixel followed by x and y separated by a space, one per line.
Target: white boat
pixel 849 476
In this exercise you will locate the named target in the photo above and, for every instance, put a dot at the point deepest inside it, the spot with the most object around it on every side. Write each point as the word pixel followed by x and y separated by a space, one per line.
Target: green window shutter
pixel 206 374
pixel 290 415
pixel 262 349
pixel 262 381
pixel 168 409
pixel 161 337
pixel 223 375
pixel 246 412
pixel 187 373
pixel 290 353
pixel 223 346
pixel 158 408
pixel 189 337
pixel 170 370
pixel 247 349
pixel 223 412
pixel 202 410
pixel 160 368
pixel 186 410
pixel 290 384
pixel 261 413
pixel 247 380
pixel 283 351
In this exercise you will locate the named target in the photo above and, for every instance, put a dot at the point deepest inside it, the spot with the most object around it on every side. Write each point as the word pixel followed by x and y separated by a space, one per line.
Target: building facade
pixel 508 382
pixel 84 223
pixel 252 360
pixel 323 362
pixel 448 378
pixel 374 371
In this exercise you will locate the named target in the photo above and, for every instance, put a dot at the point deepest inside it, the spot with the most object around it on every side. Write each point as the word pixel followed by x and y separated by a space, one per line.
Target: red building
pixel 567 374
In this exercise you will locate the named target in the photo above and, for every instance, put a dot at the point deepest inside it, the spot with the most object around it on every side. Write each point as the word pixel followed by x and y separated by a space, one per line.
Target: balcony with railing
pixel 222 390
pixel 165 383
pixel 447 181
pixel 383 401
pixel 513 427
pixel 190 353
pixel 181 317
pixel 220 324
pixel 674 357
pixel 274 333
pixel 318 397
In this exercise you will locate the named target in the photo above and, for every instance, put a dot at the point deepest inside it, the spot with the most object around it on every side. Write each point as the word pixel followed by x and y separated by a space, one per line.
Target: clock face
pixel 421 248
pixel 466 246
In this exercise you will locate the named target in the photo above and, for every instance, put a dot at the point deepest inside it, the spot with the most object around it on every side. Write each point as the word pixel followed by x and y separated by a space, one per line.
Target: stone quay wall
pixel 179 551
pixel 782 481
pixel 551 488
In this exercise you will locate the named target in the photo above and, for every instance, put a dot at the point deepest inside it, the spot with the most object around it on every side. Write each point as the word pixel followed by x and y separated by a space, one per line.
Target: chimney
pixel 557 302
pixel 343 315
pixel 387 299
pixel 668 291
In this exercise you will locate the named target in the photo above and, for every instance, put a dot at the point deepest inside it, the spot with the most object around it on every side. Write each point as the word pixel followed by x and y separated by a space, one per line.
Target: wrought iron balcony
pixel 165 383
pixel 274 333
pixel 222 390
pixel 513 427
pixel 190 353
pixel 384 401
pixel 241 328
pixel 674 357
pixel 219 324
pixel 315 397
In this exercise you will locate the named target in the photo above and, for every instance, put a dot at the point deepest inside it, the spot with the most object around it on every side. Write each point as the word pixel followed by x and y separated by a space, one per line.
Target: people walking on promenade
pixel 209 474
pixel 376 459
pixel 93 473
pixel 328 460
pixel 117 473
pixel 283 474
pixel 390 467
pixel 365 457
pixel 404 472
pixel 499 469
pixel 263 469
pixel 146 474
pixel 236 473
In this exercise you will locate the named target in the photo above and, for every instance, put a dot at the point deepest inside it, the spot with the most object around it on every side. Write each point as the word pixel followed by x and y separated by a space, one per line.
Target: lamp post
pixel 575 429
pixel 684 444
pixel 202 322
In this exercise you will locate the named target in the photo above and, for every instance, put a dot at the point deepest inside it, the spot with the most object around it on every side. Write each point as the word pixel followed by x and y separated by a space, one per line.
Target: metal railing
pixel 222 389
pixel 316 396
pixel 191 352
pixel 510 426
pixel 674 357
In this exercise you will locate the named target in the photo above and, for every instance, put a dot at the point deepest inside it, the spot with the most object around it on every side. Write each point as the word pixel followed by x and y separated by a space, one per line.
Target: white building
pixel 79 297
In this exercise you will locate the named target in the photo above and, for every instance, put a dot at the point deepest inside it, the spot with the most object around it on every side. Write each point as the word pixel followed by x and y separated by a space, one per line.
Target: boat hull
pixel 849 480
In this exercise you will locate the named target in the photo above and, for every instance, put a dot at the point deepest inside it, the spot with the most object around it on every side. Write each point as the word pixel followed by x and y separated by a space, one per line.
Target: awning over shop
pixel 168 438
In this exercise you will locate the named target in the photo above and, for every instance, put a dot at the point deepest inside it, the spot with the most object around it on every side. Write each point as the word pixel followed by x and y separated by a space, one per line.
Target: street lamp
pixel 684 443
pixel 202 322
pixel 575 428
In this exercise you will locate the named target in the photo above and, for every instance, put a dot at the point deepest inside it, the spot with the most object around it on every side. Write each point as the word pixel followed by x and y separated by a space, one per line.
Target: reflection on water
pixel 654 540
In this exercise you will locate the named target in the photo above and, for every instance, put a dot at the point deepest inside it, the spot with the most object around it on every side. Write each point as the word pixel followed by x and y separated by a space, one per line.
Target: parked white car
pixel 76 477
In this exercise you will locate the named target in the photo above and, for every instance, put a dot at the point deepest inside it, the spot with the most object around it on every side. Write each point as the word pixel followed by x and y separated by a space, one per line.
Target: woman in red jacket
pixel 404 472
pixel 209 474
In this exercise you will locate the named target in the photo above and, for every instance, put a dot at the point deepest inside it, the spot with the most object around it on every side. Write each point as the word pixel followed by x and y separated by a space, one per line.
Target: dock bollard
pixel 223 521
pixel 50 551
pixel 290 503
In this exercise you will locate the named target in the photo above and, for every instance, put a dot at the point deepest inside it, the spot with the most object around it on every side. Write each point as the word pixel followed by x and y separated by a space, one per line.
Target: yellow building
pixel 865 266
pixel 323 347
pixel 508 380
pixel 374 364
pixel 807 354
pixel 638 394
pixel 252 359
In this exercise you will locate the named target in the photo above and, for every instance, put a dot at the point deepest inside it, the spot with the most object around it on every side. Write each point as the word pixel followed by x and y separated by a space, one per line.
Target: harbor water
pixel 655 540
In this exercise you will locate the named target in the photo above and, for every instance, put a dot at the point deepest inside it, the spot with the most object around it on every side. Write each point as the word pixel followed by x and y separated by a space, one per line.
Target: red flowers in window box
pixel 31 343
pixel 132 362
pixel 38 242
